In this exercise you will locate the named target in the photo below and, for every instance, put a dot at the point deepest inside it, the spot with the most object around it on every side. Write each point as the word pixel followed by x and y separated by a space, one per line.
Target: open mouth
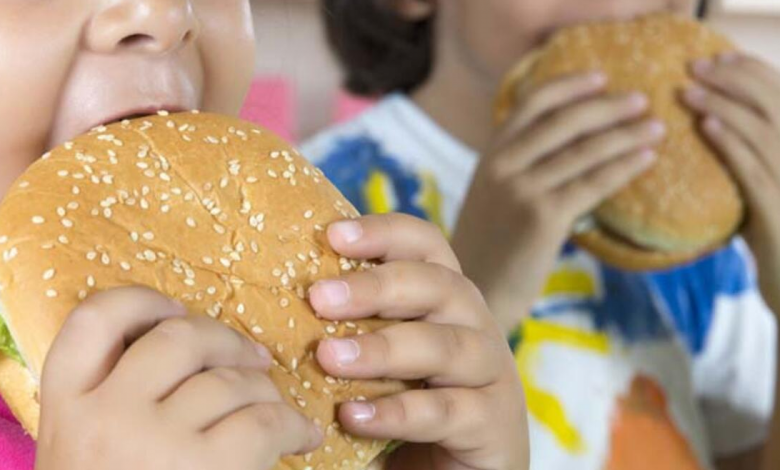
pixel 139 113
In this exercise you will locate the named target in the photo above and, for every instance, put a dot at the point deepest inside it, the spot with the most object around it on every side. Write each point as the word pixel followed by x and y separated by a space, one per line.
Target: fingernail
pixel 656 129
pixel 345 351
pixel 350 231
pixel 728 57
pixel 362 412
pixel 317 436
pixel 333 293
pixel 597 79
pixel 713 124
pixel 263 352
pixel 637 101
pixel 695 94
pixel 702 66
pixel 178 309
pixel 648 156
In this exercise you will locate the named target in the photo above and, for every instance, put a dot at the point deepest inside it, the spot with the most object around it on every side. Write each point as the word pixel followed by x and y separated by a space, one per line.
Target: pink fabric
pixel 348 106
pixel 271 103
pixel 17 449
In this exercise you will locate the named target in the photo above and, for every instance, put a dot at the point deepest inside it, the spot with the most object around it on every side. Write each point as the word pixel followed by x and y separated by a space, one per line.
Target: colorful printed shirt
pixel 621 371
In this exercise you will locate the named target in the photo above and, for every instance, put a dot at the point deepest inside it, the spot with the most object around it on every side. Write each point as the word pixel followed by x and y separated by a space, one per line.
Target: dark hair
pixel 380 51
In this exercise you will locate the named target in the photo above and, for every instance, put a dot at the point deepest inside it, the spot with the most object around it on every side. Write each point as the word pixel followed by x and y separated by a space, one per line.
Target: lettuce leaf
pixel 7 345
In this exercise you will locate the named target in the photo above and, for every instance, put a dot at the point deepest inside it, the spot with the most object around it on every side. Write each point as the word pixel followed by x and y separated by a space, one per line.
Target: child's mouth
pixel 139 113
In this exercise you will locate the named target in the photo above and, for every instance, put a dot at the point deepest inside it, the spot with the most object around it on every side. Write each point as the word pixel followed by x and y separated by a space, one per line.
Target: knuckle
pixel 179 330
pixel 445 407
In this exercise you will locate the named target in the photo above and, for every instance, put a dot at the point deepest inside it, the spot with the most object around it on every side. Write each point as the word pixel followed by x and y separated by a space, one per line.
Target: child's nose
pixel 147 26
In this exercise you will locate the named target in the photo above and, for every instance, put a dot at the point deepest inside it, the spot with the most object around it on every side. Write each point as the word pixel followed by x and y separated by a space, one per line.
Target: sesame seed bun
pixel 687 204
pixel 209 210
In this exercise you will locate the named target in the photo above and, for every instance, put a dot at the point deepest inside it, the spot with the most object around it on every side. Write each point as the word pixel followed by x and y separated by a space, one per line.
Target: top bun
pixel 209 210
pixel 687 204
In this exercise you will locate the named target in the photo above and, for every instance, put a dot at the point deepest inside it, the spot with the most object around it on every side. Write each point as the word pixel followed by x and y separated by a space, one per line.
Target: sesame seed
pixel 105 259
pixel 165 177
pixel 62 173
pixel 144 204
pixel 240 309
pixel 279 348
pixel 308 214
pixel 38 220
pixel 330 329
pixel 82 294
pixel 51 293
pixel 189 282
pixel 163 112
pixel 4 239
pixel 328 449
pixel 211 290
pixel 48 274
pixel 73 205
pixel 148 236
pixel 91 256
pixel 149 255
pixel 191 222
pixel 275 154
pixel 272 174
pixel 125 266
pixel 223 182
pixel 291 322
pixel 165 209
pixel 90 281
pixel 225 262
pixel 219 229
pixel 207 260
pixel 252 180
pixel 255 247
pixel 107 212
pixel 257 330
pixel 134 236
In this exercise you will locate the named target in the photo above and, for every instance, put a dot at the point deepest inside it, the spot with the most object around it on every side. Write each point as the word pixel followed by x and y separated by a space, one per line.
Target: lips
pixel 137 113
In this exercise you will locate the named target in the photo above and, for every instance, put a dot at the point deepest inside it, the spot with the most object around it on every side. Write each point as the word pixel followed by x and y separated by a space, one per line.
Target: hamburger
pixel 212 211
pixel 688 204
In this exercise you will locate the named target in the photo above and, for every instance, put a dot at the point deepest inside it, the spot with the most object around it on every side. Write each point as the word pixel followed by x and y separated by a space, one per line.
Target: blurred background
pixel 297 86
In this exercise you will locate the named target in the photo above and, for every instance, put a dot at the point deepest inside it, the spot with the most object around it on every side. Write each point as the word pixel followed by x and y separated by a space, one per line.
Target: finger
pixel 550 97
pixel 446 416
pixel 562 129
pixel 264 433
pixel 754 129
pixel 596 151
pixel 179 348
pixel 740 158
pixel 401 290
pixel 586 193
pixel 442 355
pixel 96 334
pixel 391 237
pixel 732 78
pixel 207 398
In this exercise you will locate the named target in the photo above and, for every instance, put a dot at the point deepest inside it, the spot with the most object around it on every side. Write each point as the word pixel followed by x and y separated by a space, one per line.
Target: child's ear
pixel 414 10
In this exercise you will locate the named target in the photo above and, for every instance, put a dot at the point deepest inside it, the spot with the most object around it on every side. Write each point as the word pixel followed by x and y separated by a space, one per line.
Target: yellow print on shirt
pixel 566 282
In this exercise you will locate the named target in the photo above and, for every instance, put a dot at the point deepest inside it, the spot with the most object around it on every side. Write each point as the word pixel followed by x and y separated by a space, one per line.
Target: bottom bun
pixel 623 255
pixel 20 393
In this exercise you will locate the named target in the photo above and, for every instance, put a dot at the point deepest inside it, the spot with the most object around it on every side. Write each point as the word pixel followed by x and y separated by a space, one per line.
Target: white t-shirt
pixel 621 371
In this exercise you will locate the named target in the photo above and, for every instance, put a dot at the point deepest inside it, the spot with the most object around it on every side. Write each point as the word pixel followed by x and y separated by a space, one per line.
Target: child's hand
pixel 472 415
pixel 739 101
pixel 132 384
pixel 567 149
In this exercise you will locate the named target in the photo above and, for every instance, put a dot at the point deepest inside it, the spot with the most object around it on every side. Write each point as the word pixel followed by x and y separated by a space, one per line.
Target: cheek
pixel 497 33
pixel 37 46
pixel 227 45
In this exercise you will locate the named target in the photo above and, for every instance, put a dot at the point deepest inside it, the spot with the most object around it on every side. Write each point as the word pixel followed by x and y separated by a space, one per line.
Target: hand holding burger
pixel 242 233
pixel 597 146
